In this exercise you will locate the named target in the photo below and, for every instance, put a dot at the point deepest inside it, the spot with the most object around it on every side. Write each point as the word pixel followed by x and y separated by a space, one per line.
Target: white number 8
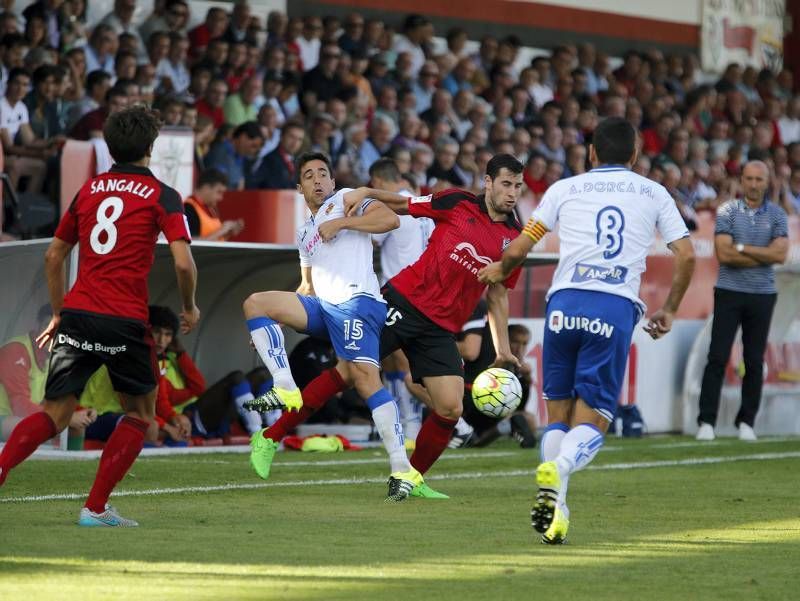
pixel 105 223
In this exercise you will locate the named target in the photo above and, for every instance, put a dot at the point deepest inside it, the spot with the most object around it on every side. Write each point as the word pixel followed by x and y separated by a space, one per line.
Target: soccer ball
pixel 496 392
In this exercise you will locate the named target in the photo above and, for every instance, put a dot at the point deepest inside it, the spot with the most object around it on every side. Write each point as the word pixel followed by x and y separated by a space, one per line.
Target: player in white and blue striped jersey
pixel 607 220
pixel 338 299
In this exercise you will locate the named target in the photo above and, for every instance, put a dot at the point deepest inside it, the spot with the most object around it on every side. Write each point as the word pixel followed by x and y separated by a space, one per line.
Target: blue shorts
pixel 587 337
pixel 353 327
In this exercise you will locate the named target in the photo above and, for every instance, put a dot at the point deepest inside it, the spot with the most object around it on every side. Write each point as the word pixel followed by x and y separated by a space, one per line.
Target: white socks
pixel 387 421
pixel 269 342
pixel 251 419
pixel 579 447
pixel 549 448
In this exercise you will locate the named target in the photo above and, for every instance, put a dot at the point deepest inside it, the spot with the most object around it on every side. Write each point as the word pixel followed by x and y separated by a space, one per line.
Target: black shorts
pixel 431 350
pixel 86 341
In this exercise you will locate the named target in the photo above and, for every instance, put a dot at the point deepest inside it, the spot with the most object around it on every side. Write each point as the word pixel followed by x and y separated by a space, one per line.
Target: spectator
pixel 172 19
pixel 443 169
pixel 234 157
pixel 102 48
pixel 199 79
pixel 268 120
pixel 213 27
pixel 125 65
pixel 91 124
pixel 213 102
pixel 24 155
pixel 47 10
pixel 98 83
pixel 120 19
pixel 352 40
pixel 201 209
pixel 789 123
pixel 426 85
pixel 381 133
pixel 42 108
pixel 323 79
pixel 277 169
pixel 241 106
pixel 417 34
pixel 309 42
pixel 238 29
pixel 171 72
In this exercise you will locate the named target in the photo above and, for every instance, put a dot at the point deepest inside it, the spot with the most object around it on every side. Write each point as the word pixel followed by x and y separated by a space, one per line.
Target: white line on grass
pixel 452 476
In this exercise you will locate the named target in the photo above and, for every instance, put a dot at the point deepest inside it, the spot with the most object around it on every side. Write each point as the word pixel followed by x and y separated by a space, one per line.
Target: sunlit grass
pixel 714 531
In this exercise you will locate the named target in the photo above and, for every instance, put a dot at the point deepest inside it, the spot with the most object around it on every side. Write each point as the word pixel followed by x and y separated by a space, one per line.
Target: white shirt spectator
pixel 13 117
pixel 93 62
pixel 178 74
pixel 541 94
pixel 403 44
pixel 309 52
pixel 789 129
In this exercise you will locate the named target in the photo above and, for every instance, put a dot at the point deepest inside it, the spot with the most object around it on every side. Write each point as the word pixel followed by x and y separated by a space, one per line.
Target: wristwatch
pixel 740 247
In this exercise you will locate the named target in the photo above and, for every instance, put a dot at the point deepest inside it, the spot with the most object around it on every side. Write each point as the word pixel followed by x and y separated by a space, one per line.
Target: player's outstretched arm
pixel 661 321
pixel 515 254
pixel 376 219
pixel 353 199
pixel 56 275
pixel 497 305
pixel 186 273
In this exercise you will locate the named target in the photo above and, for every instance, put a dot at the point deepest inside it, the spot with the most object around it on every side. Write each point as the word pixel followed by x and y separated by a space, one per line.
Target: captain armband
pixel 534 230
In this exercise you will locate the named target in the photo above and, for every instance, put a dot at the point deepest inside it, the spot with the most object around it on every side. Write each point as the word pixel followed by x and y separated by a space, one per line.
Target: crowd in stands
pixel 258 93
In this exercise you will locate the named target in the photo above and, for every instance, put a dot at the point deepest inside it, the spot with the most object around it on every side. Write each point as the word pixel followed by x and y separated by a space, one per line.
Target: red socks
pixel 432 441
pixel 315 395
pixel 25 439
pixel 121 450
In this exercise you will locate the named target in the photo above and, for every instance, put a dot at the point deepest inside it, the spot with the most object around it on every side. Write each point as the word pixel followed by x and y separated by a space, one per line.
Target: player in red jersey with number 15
pixel 115 218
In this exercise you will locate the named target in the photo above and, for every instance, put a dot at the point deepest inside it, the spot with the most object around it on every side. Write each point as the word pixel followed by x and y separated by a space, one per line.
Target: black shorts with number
pixel 85 341
pixel 431 350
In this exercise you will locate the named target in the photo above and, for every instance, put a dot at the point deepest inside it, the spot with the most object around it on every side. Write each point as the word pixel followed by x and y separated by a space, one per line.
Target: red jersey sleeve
pixel 195 382
pixel 164 409
pixel 67 229
pixel 437 206
pixel 171 218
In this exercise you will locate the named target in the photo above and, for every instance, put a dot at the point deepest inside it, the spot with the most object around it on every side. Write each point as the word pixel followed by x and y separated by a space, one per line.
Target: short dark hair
pixel 41 74
pixel 211 177
pixel 16 72
pixel 614 141
pixel 130 133
pixel 385 168
pixel 503 161
pixel 309 156
pixel 251 129
pixel 163 317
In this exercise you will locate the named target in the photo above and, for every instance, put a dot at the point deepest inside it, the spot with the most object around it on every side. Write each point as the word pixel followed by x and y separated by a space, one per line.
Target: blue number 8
pixel 610 224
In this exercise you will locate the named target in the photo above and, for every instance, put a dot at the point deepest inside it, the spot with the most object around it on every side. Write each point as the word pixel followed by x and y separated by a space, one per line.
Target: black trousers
pixel 754 313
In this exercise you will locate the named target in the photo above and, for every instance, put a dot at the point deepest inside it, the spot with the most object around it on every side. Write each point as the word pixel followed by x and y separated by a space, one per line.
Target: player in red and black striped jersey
pixel 430 300
pixel 115 218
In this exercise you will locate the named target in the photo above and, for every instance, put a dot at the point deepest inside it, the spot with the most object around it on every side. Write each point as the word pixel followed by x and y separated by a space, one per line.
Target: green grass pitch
pixel 661 518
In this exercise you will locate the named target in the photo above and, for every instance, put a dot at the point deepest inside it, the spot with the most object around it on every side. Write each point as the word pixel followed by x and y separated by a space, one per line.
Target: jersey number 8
pixel 105 223
pixel 610 223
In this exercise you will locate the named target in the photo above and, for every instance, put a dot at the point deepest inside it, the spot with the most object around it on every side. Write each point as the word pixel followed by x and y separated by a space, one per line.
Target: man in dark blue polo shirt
pixel 234 157
pixel 749 238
